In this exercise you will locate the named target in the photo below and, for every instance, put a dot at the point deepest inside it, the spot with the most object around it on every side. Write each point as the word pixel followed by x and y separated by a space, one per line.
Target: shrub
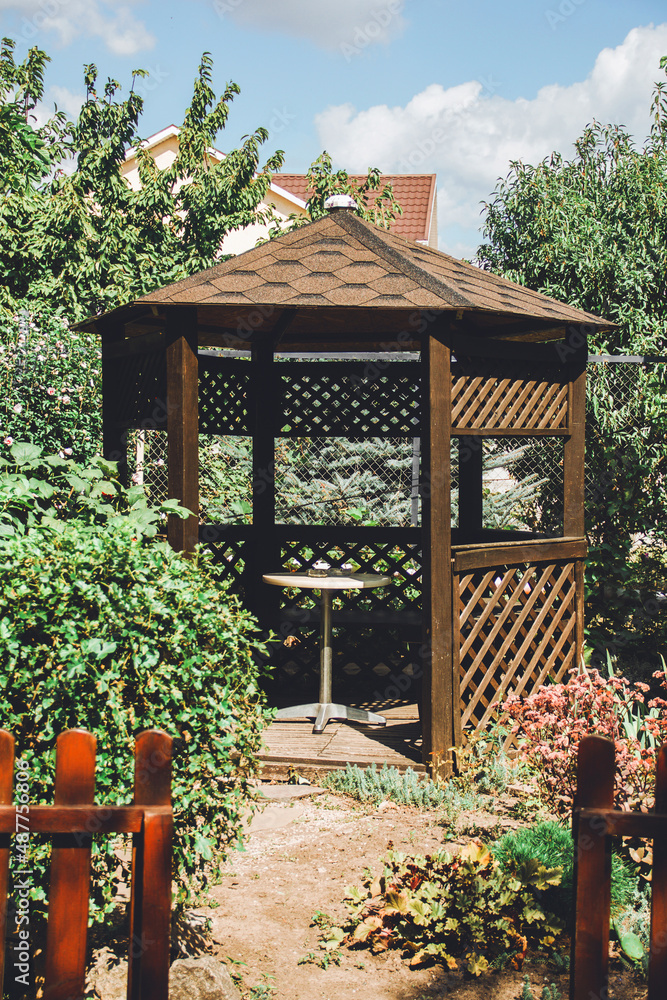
pixel 551 722
pixel 50 385
pixel 450 909
pixel 370 785
pixel 102 629
pixel 632 926
pixel 551 845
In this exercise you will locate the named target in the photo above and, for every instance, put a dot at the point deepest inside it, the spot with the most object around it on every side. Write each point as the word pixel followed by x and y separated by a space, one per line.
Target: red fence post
pixel 150 914
pixel 6 787
pixel 592 871
pixel 67 928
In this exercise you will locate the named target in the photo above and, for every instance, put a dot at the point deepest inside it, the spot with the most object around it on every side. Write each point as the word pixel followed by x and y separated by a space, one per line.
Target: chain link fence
pixel 337 481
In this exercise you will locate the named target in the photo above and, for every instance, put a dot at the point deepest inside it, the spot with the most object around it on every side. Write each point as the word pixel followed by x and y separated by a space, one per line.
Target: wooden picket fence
pixel 595 821
pixel 72 820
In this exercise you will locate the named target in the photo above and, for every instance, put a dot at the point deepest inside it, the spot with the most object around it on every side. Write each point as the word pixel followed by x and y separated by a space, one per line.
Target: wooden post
pixel 470 488
pixel 182 424
pixel 574 484
pixel 592 870
pixel 657 969
pixel 150 905
pixel 574 448
pixel 264 600
pixel 114 437
pixel 67 927
pixel 440 704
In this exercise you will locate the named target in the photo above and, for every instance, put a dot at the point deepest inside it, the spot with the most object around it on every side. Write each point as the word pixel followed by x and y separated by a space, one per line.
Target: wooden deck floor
pixel 293 744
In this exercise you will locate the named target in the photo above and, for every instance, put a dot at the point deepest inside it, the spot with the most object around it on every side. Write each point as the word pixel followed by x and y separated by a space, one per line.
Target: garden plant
pixel 104 627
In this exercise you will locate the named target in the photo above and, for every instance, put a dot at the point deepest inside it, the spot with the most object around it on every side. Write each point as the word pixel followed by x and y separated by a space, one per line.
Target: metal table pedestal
pixel 325 709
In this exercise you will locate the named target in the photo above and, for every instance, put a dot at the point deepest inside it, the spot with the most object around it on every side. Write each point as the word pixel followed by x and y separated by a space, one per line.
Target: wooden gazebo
pixel 496 610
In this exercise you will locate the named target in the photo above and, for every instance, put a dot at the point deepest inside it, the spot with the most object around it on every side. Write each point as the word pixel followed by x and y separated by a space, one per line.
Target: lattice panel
pixel 140 382
pixel 224 393
pixel 493 394
pixel 516 628
pixel 402 562
pixel 377 399
pixel 229 555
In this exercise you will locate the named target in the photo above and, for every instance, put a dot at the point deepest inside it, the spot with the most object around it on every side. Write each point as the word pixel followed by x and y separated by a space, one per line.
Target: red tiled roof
pixel 415 193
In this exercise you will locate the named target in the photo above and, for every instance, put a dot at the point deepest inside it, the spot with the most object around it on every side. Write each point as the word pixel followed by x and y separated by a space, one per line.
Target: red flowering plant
pixel 550 723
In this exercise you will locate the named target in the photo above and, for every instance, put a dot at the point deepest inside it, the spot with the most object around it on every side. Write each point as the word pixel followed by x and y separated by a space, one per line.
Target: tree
pixel 593 232
pixel 83 241
pixel 375 201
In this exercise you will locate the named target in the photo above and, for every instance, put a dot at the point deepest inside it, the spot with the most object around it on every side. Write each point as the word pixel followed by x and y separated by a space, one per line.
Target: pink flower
pixel 50 391
pixel 67 451
pixel 9 441
pixel 65 399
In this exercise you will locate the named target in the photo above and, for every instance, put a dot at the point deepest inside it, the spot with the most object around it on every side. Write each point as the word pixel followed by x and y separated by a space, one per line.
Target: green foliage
pixel 104 630
pixel 632 927
pixel 593 232
pixel 548 992
pixel 375 202
pixel 463 909
pixel 370 785
pixel 50 387
pixel 551 845
pixel 83 241
pixel 46 492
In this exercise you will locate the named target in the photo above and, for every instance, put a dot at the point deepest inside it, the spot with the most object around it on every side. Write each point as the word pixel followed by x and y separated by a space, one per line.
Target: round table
pixel 325 709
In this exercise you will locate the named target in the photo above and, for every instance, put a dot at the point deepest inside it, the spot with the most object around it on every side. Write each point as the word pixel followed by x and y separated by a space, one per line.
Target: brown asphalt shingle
pixel 341 260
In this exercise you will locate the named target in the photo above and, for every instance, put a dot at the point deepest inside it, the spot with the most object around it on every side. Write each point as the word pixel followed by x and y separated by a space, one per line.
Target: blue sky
pixel 421 85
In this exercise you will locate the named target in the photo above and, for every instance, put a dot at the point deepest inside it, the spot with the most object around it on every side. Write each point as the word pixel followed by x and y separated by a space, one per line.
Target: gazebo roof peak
pixel 343 261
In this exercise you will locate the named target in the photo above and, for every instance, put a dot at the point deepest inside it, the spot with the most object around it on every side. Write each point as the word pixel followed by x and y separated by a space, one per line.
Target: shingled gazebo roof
pixel 350 281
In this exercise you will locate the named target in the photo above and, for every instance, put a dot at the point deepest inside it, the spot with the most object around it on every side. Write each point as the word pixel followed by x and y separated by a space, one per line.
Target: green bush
pixel 103 629
pixel 370 785
pixel 50 385
pixel 439 908
pixel 551 845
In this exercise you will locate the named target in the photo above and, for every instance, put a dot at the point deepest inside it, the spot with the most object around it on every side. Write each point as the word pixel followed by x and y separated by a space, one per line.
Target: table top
pixel 350 581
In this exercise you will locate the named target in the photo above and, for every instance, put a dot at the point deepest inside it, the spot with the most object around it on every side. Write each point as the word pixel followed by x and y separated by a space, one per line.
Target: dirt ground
pixel 304 849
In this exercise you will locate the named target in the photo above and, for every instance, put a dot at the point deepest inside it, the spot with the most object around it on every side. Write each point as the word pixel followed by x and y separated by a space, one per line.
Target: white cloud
pixel 349 25
pixel 469 133
pixel 114 22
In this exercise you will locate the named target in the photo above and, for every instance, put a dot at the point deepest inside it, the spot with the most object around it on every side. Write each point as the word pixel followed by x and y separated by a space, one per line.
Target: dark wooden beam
pixel 182 425
pixel 574 447
pixel 114 436
pixel 470 486
pixel 574 477
pixel 440 704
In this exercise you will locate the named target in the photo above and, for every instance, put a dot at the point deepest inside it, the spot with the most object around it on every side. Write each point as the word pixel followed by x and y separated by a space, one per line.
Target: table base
pixel 323 712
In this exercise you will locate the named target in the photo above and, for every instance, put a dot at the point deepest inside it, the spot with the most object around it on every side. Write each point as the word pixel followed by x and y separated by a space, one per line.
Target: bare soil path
pixel 302 853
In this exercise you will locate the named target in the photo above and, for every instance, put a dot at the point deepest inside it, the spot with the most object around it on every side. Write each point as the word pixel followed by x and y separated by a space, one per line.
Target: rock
pixel 108 976
pixel 201 979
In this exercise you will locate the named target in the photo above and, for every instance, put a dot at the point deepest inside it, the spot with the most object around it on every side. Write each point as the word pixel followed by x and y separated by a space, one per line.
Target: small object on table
pixel 327 582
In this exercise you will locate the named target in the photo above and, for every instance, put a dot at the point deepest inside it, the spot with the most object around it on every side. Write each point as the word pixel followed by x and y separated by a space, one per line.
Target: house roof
pixel 415 193
pixel 341 280
pixel 173 132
